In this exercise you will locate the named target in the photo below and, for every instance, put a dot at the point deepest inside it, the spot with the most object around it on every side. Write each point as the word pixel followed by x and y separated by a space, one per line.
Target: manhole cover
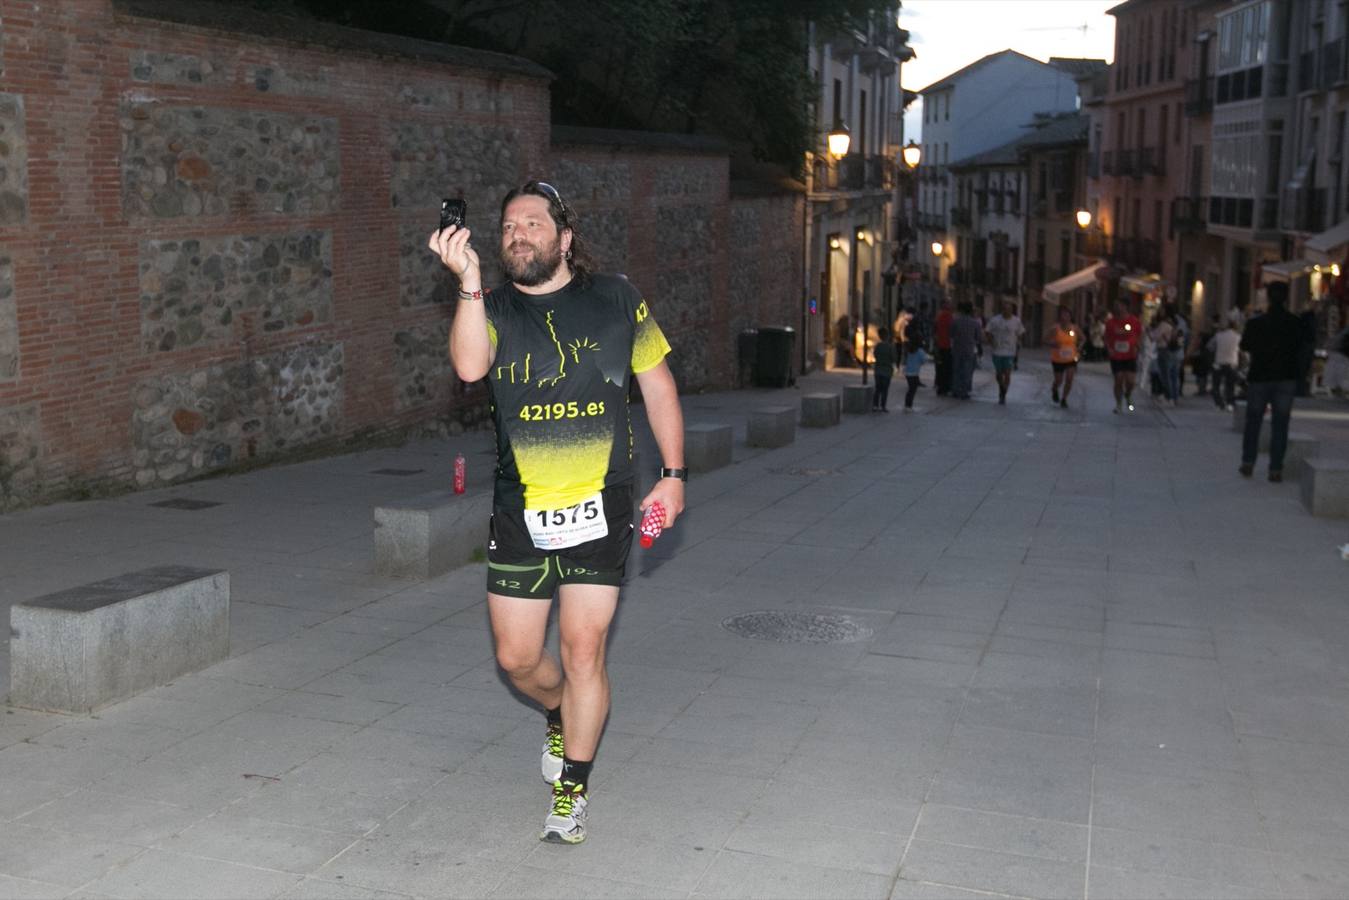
pixel 796 628
pixel 185 503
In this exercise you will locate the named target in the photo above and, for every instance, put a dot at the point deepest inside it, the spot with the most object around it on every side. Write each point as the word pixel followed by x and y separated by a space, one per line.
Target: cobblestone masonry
pixel 433 159
pixel 458 95
pixel 176 68
pixel 685 232
pixel 198 161
pixel 190 424
pixel 684 304
pixel 20 452
pixel 236 137
pixel 9 321
pixel 193 290
pixel 422 367
pixel 744 284
pixel 13 161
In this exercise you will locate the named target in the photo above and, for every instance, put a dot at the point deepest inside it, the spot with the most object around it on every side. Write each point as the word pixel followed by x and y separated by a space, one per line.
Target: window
pixel 1065 253
pixel 1180 111
pixel 1161 130
pixel 945 148
pixel 948 106
pixel 1142 127
pixel 1243 37
pixel 838 101
pixel 1157 221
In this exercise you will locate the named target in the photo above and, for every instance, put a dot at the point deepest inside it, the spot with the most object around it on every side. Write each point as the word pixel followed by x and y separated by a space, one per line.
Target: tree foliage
pixel 733 68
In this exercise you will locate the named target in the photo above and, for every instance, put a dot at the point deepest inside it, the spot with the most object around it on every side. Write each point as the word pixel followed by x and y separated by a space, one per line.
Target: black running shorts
pixel 1063 367
pixel 516 568
pixel 1123 365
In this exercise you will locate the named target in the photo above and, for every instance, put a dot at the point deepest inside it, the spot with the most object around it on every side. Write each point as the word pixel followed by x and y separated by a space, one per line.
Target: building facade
pixel 851 201
pixel 1232 113
pixel 985 105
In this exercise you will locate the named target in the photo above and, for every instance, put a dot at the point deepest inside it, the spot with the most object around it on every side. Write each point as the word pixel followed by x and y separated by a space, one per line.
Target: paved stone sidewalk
pixel 1099 664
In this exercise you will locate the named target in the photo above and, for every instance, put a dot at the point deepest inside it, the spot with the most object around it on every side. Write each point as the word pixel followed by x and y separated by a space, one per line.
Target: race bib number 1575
pixel 554 529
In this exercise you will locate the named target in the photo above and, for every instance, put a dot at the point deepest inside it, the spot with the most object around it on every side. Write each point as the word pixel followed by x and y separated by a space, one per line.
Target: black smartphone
pixel 452 212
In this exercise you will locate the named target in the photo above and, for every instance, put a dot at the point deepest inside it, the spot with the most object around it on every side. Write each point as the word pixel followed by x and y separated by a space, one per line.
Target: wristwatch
pixel 681 474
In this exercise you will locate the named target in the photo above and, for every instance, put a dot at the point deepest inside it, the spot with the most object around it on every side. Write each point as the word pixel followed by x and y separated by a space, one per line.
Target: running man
pixel 558 345
pixel 1004 333
pixel 1065 339
pixel 1122 333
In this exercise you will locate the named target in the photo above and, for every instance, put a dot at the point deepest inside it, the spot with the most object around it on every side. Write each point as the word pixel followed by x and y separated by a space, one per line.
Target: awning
pixel 1328 243
pixel 1285 271
pixel 1143 284
pixel 1079 279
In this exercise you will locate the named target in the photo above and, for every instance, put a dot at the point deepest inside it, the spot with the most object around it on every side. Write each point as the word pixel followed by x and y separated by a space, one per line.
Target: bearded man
pixel 558 345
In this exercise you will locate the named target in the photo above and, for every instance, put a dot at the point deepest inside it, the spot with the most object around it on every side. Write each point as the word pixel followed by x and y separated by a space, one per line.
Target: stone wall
pixel 213 230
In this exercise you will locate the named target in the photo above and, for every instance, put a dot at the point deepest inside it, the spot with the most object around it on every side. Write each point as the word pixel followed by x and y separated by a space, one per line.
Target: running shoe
pixel 1064 403
pixel 551 764
pixel 566 822
pixel 1054 392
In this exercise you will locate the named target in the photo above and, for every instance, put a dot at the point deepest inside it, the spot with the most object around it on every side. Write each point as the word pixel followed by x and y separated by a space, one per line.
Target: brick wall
pixel 212 241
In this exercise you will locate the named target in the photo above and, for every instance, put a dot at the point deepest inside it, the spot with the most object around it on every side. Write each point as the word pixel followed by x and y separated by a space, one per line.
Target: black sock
pixel 576 771
pixel 554 715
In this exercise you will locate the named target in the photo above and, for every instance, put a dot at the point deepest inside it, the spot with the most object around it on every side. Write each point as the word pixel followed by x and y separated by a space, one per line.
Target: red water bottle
pixel 653 522
pixel 460 474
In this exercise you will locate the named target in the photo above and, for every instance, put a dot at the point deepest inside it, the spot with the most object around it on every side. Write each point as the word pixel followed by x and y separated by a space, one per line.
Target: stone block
pixel 857 397
pixel 430 534
pixel 820 410
pixel 81 649
pixel 1301 446
pixel 1325 487
pixel 772 426
pixel 707 447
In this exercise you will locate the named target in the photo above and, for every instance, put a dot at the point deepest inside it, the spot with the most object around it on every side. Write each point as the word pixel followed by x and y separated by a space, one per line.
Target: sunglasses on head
pixel 547 189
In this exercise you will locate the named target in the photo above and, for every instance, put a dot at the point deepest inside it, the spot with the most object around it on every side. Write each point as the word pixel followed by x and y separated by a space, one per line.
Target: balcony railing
pixel 1152 160
pixel 1129 163
pixel 1304 209
pixel 1131 253
pixel 1199 96
pixel 1189 214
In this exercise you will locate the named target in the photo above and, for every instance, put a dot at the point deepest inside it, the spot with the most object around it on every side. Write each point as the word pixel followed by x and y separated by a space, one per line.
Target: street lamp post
pixel 852 293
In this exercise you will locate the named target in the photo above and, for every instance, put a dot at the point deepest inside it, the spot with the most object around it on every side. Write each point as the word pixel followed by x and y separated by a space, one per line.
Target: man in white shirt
pixel 1226 347
pixel 1004 333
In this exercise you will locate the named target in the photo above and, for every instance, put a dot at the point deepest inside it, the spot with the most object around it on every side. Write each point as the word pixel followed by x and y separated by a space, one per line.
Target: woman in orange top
pixel 1064 340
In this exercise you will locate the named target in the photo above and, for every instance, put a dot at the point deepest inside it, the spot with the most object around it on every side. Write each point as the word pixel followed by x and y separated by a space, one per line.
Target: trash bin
pixel 746 353
pixel 773 359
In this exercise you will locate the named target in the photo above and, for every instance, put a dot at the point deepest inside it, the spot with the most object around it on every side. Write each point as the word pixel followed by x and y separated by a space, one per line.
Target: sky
pixel 950 34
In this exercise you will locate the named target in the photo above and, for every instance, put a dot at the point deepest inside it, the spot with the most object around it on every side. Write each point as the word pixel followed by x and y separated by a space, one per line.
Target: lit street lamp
pixel 913 154
pixel 1083 219
pixel 839 140
pixel 937 248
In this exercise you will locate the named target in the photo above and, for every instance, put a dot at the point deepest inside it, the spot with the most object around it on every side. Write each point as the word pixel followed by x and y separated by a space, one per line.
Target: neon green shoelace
pixel 565 797
pixel 555 746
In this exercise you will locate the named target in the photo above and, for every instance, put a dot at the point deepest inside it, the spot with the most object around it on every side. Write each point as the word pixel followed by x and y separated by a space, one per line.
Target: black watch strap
pixel 681 474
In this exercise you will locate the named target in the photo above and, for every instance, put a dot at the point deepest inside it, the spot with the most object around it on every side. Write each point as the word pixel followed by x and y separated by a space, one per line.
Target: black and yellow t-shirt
pixel 559 386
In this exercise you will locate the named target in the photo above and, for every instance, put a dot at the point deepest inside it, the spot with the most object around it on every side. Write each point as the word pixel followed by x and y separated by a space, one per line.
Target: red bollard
pixel 460 473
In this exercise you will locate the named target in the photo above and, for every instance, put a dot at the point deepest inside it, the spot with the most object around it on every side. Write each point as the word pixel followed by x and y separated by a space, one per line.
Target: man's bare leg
pixel 519 627
pixel 586 612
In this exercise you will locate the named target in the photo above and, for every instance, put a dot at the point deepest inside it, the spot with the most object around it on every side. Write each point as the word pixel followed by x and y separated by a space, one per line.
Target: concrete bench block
pixel 820 410
pixel 81 649
pixel 1325 487
pixel 1301 446
pixel 430 534
pixel 772 426
pixel 707 446
pixel 857 398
